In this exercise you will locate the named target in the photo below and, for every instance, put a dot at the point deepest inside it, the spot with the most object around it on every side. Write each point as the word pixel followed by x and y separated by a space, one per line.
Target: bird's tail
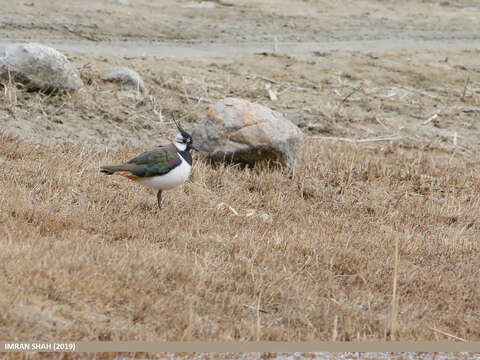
pixel 109 170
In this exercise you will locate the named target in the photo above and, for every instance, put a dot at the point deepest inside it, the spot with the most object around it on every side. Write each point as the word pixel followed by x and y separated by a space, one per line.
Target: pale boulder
pixel 38 67
pixel 240 131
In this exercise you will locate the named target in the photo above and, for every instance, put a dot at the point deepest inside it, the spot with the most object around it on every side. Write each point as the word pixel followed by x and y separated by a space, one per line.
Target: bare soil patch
pixel 430 98
pixel 237 21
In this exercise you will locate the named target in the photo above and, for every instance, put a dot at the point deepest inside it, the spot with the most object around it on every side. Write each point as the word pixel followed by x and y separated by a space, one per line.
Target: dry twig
pixel 380 138
pixel 393 328
pixel 350 94
pixel 465 89
pixel 197 98
pixel 431 118
pixel 78 33
pixel 255 309
pixel 447 334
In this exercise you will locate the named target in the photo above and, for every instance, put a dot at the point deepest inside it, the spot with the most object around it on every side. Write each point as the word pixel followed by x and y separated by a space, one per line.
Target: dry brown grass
pixel 236 253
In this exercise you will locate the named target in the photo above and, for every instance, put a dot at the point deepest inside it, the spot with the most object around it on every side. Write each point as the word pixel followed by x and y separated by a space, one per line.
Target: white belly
pixel 170 180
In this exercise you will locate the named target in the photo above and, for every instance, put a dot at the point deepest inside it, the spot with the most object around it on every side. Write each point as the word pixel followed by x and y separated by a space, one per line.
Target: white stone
pixel 241 131
pixel 124 75
pixel 38 67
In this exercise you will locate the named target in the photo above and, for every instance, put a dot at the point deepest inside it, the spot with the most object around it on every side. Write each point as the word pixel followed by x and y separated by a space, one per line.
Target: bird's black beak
pixel 193 148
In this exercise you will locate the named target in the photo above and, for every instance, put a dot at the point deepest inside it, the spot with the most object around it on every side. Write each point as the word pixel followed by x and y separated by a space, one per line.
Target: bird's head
pixel 183 140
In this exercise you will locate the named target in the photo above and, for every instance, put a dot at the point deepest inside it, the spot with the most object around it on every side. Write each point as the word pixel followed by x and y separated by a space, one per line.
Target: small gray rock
pixel 38 67
pixel 240 131
pixel 124 75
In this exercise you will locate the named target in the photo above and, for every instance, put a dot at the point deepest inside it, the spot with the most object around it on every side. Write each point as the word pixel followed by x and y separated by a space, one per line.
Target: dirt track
pixel 163 29
pixel 237 21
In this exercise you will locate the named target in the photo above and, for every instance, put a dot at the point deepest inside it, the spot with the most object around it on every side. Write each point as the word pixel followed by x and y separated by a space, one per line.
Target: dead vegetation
pixel 238 253
pixel 429 100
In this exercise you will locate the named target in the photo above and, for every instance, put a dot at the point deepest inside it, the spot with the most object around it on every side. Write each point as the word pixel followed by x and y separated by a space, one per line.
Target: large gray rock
pixel 124 75
pixel 38 67
pixel 241 131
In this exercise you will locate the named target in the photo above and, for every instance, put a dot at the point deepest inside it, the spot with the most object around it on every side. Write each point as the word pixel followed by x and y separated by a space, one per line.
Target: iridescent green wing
pixel 155 162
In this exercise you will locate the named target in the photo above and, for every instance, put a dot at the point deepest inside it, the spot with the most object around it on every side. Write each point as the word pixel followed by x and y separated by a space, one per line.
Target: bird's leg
pixel 159 198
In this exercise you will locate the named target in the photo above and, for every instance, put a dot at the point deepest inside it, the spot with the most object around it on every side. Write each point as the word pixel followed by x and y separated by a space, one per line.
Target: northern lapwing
pixel 162 168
